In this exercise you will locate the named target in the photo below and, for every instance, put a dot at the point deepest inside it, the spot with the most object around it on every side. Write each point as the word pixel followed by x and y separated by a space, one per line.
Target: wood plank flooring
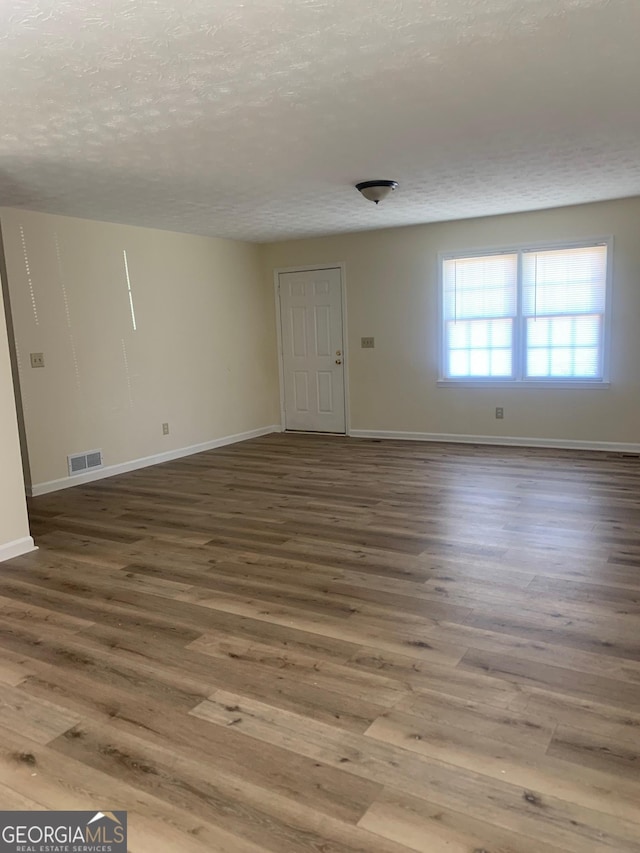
pixel 308 643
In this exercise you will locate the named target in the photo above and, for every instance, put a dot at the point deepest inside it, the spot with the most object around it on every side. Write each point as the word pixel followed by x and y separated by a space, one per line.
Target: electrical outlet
pixel 367 343
pixel 499 413
pixel 37 359
pixel 165 429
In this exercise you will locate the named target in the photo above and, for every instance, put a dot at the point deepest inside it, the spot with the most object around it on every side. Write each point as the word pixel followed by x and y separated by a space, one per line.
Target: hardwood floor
pixel 306 643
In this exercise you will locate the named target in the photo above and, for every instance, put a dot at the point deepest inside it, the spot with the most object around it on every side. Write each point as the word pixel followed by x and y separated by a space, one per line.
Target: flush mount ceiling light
pixel 376 190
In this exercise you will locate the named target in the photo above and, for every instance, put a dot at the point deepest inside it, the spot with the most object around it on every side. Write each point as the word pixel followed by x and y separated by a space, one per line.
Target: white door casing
pixel 312 350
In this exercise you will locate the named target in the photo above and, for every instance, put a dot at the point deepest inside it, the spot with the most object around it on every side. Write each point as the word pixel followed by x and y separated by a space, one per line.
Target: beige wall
pixel 13 512
pixel 202 357
pixel 391 280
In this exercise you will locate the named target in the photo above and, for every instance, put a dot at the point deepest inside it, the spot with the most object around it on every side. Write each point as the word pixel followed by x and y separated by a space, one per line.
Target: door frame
pixel 345 343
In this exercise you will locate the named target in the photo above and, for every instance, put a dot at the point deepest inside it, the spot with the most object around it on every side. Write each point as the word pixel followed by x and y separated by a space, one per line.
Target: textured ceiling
pixel 254 119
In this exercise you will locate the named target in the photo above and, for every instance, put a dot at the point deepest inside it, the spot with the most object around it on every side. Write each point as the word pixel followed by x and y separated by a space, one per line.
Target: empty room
pixel 320 426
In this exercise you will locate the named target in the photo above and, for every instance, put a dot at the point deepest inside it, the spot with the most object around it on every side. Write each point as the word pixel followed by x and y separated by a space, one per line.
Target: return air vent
pixel 79 463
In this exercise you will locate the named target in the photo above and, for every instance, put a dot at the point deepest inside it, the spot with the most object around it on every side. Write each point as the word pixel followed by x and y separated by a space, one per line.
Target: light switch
pixel 37 359
pixel 367 343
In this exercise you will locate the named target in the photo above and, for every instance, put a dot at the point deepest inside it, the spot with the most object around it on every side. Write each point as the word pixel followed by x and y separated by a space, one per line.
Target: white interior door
pixel 312 350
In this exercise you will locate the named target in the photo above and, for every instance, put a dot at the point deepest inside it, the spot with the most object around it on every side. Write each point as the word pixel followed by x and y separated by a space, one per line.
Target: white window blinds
pixel 480 297
pixel 525 314
pixel 564 296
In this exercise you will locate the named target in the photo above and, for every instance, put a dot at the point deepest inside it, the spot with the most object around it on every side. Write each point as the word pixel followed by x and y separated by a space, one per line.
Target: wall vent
pixel 81 462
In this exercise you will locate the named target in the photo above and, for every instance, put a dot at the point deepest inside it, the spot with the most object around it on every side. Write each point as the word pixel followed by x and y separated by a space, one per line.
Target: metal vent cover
pixel 78 463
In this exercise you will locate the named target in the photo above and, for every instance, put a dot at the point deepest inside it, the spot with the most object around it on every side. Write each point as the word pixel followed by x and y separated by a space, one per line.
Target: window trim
pixel 563 383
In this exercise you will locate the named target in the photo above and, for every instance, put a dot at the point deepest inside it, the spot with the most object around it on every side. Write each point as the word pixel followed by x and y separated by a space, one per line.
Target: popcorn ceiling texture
pixel 253 120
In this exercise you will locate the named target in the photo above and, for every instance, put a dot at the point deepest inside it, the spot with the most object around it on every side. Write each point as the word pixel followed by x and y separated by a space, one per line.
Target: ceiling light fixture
pixel 376 190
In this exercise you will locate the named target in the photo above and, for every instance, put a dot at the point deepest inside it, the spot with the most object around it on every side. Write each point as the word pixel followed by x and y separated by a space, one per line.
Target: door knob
pixel 338 361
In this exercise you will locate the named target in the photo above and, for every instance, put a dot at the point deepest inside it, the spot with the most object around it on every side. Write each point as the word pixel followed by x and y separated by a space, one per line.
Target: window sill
pixel 542 384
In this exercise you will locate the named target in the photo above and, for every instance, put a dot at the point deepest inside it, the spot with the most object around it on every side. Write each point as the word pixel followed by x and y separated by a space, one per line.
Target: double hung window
pixel 526 315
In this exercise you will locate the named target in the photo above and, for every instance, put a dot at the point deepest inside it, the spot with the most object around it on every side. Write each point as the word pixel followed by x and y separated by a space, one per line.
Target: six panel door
pixel 312 350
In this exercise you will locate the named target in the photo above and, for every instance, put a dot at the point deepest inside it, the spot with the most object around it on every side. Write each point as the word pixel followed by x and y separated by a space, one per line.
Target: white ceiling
pixel 254 119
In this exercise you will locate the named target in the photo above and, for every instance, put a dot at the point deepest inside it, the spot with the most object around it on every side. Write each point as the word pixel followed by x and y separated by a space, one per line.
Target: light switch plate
pixel 367 343
pixel 37 359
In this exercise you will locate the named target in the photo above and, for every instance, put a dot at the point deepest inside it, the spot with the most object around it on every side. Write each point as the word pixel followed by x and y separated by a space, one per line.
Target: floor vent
pixel 81 462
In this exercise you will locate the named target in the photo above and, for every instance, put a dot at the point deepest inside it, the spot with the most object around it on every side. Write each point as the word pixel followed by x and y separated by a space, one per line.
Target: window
pixel 526 315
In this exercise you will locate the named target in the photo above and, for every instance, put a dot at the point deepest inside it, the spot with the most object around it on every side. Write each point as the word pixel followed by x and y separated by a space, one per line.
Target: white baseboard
pixel 504 440
pixel 16 548
pixel 146 461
